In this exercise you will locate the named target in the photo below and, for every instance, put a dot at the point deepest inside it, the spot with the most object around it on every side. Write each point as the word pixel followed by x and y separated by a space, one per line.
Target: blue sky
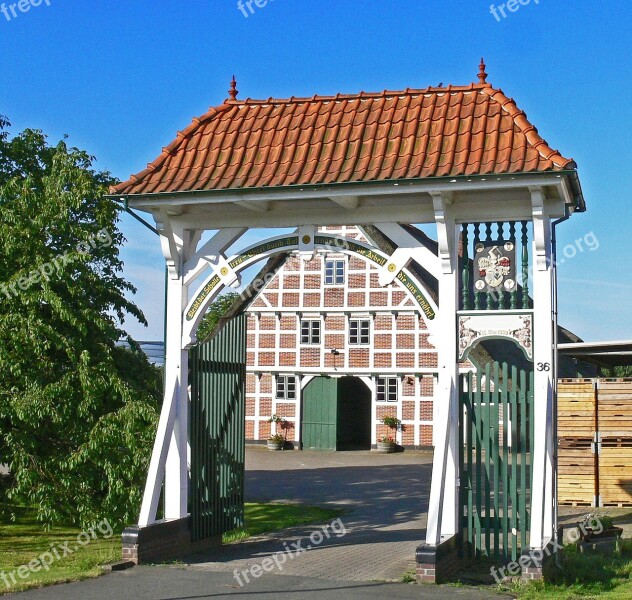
pixel 120 78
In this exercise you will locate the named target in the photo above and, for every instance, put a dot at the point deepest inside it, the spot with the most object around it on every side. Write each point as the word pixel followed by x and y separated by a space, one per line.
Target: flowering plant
pixel 281 424
pixel 387 440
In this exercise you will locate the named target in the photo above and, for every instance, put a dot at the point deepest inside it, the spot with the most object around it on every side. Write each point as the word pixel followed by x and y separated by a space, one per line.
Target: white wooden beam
pixel 208 255
pixel 346 202
pixel 443 507
pixel 406 241
pixel 258 207
pixel 542 513
pixel 155 474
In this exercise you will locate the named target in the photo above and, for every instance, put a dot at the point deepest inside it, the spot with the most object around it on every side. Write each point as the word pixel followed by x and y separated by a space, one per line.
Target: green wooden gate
pixel 320 414
pixel 496 438
pixel 218 376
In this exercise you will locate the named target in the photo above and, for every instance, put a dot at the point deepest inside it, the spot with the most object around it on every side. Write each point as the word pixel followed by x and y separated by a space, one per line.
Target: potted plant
pixel 597 527
pixel 386 444
pixel 598 534
pixel 276 442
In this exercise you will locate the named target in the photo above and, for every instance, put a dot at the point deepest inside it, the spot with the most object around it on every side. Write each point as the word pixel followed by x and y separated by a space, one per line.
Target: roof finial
pixel 482 76
pixel 233 89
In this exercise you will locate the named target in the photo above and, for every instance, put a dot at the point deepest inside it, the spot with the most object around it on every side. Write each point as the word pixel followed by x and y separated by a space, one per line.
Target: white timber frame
pixel 181 219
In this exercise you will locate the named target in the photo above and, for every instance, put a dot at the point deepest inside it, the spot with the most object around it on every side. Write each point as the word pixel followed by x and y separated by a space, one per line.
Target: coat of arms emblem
pixel 495 266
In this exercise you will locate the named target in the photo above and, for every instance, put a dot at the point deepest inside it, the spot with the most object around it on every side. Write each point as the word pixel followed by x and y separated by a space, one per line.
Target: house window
pixel 286 387
pixel 359 331
pixel 334 272
pixel 387 389
pixel 310 332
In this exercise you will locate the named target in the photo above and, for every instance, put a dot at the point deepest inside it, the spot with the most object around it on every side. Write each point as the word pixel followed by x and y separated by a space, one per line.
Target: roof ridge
pixel 362 95
pixel 530 131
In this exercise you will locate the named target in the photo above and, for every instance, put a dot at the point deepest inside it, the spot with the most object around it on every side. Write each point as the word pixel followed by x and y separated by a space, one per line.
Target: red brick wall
pixel 359 357
pixel 335 323
pixel 286 409
pixel 408 410
pixel 334 297
pixel 265 384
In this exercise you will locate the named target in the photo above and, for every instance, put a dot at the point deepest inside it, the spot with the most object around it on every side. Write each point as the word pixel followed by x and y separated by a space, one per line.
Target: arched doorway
pixel 336 414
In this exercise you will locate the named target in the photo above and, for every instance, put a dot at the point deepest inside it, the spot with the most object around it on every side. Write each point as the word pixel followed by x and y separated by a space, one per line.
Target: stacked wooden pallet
pixel 576 430
pixel 595 442
pixel 615 434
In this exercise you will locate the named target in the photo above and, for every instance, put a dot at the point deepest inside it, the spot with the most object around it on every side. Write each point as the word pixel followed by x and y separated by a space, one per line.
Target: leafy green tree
pixel 77 412
pixel 215 312
pixel 616 371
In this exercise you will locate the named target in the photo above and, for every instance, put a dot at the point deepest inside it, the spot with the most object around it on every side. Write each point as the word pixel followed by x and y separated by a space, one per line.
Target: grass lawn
pixel 23 540
pixel 585 576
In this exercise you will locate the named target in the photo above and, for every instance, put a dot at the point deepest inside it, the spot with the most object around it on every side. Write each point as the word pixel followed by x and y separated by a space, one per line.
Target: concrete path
pixel 386 497
pixel 159 583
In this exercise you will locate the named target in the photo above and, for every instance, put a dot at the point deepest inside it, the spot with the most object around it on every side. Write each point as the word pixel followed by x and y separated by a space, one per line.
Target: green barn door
pixel 320 414
pixel 218 373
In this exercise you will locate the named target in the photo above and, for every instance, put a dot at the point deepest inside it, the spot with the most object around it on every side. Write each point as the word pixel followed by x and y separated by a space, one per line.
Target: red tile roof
pixel 411 134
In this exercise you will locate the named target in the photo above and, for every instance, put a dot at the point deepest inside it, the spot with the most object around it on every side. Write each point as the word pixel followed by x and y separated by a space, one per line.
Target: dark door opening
pixel 354 414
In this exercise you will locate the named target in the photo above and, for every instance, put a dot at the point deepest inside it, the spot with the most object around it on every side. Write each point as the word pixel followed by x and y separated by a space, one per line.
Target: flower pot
pixel 611 532
pixel 275 446
pixel 385 447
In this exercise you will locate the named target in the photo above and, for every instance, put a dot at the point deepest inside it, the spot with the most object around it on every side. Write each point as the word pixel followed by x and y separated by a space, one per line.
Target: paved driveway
pixel 386 497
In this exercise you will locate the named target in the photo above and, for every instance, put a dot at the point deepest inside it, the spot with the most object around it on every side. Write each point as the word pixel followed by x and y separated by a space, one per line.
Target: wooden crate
pixel 615 472
pixel 579 425
pixel 576 408
pixel 576 468
pixel 615 408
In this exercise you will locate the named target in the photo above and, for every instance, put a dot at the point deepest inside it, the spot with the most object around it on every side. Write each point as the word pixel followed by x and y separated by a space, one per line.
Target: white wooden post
pixel 169 461
pixel 542 451
pixel 169 456
pixel 443 507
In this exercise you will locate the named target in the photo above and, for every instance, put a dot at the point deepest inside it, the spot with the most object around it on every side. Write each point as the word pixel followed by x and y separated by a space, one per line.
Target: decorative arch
pixel 226 273
pixel 476 328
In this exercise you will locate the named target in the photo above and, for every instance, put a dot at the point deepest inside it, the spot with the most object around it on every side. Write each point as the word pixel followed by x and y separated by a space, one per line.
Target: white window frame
pixel 286 387
pixel 388 388
pixel 360 341
pixel 314 333
pixel 339 271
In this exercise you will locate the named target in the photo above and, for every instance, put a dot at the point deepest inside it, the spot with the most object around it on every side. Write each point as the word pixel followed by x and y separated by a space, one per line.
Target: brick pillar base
pixel 164 541
pixel 537 564
pixel 437 564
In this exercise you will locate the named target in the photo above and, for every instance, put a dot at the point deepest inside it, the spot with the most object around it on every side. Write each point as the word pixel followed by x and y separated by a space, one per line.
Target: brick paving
pixel 386 497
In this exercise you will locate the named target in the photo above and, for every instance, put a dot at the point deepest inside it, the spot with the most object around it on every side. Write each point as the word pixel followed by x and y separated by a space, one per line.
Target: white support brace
pixel 542 513
pixel 169 461
pixel 405 241
pixel 443 508
pixel 208 255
